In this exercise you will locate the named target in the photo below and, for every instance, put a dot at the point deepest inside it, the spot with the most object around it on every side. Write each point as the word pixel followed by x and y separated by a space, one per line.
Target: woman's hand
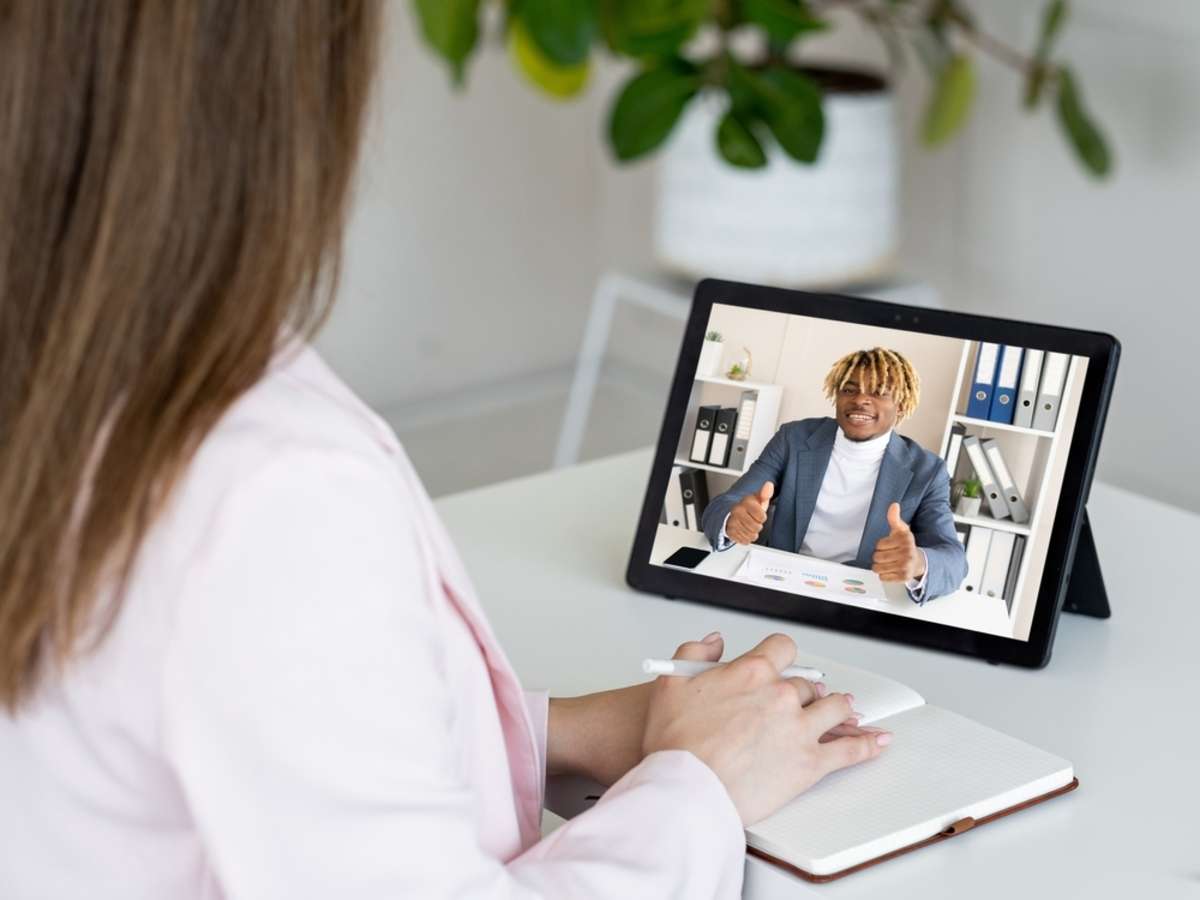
pixel 597 735
pixel 600 735
pixel 766 737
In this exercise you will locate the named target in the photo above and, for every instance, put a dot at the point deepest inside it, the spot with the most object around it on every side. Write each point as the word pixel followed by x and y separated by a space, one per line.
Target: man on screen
pixel 850 489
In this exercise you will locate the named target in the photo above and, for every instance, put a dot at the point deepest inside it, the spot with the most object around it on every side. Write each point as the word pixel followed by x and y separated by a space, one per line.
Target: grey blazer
pixel 796 458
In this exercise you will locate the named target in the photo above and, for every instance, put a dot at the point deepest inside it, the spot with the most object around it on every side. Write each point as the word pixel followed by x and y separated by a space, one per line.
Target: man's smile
pixel 863 414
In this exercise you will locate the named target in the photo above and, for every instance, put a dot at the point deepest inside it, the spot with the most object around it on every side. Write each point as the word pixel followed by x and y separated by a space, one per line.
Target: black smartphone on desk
pixel 686 557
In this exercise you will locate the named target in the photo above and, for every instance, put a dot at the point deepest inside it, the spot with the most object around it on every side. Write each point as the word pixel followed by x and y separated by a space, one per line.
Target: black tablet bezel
pixel 1102 351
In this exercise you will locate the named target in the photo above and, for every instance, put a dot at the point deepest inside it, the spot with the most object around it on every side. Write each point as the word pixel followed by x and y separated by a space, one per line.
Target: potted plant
pixel 710 355
pixel 779 171
pixel 972 497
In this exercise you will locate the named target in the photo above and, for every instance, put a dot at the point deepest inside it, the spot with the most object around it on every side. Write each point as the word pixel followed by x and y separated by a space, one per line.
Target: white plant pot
pixel 710 359
pixel 834 222
pixel 969 506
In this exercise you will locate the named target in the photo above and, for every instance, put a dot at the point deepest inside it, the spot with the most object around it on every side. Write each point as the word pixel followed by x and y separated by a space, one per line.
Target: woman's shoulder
pixel 299 425
pixel 300 404
pixel 298 476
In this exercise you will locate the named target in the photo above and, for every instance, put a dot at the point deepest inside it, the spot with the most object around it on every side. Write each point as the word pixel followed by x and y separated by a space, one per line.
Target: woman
pixel 238 654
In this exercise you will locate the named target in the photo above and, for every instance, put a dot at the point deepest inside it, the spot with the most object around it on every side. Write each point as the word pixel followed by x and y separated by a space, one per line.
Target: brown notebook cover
pixel 959 827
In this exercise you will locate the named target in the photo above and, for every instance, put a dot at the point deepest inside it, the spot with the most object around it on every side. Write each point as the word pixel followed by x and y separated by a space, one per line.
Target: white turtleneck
pixel 836 527
pixel 840 514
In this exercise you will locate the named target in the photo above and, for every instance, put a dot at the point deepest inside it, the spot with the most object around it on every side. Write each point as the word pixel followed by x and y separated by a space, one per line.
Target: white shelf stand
pixel 727 392
pixel 611 289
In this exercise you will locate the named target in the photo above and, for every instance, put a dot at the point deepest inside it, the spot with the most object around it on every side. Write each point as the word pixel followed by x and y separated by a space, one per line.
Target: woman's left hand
pixel 597 735
pixel 600 735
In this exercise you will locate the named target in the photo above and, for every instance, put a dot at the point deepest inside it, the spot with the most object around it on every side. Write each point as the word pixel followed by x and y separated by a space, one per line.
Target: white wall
pixel 472 249
pixel 1033 238
pixel 485 217
pixel 797 352
pixel 813 345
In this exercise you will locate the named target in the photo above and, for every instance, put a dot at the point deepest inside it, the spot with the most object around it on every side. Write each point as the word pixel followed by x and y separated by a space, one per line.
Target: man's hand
pixel 897 557
pixel 747 518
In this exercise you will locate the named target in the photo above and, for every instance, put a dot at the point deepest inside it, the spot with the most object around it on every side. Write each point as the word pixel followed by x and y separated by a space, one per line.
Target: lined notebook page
pixel 874 696
pixel 939 768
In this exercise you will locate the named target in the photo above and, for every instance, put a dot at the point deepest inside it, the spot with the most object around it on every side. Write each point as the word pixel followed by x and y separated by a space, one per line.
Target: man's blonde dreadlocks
pixel 878 370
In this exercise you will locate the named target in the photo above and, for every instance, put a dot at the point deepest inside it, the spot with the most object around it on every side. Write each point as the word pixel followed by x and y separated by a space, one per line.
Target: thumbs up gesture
pixel 747 517
pixel 897 557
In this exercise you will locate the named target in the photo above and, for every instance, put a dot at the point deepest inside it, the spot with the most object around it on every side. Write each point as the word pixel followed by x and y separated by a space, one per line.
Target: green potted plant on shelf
pixel 780 170
pixel 971 499
pixel 710 355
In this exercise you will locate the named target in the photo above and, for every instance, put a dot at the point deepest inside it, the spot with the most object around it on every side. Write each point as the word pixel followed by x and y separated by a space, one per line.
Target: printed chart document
pixel 808 575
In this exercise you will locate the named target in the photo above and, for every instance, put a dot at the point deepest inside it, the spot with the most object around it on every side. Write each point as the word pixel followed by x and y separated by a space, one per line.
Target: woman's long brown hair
pixel 173 181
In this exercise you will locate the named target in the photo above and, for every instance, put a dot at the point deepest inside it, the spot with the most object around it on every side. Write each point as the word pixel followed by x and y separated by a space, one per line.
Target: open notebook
pixel 942 774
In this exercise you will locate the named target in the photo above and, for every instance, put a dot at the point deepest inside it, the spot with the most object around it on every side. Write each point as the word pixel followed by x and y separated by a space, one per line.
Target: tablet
pixel 907 473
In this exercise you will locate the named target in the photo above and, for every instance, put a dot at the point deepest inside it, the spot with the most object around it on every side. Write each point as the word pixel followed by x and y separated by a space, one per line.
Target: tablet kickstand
pixel 1085 589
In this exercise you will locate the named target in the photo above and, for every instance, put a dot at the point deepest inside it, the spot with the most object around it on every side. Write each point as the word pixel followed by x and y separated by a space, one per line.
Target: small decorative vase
pixel 710 359
pixel 969 506
pixel 740 370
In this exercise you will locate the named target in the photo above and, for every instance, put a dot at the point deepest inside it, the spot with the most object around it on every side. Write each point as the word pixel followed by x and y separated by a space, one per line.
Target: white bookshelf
pixel 1030 454
pixel 743 385
pixel 952 408
pixel 684 461
pixel 999 426
pixel 714 391
pixel 994 523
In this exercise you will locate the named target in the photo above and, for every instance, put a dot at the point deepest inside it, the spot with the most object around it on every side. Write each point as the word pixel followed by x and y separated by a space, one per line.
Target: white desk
pixel 987 614
pixel 548 554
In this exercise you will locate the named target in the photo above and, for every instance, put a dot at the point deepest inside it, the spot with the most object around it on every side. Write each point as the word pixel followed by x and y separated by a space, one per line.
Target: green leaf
pixel 951 101
pixel 609 23
pixel 794 114
pixel 790 104
pixel 648 107
pixel 561 82
pixel 562 29
pixel 737 143
pixel 1035 81
pixel 743 91
pixel 933 41
pixel 1082 133
pixel 937 18
pixel 782 20
pixel 1052 19
pixel 651 28
pixel 451 27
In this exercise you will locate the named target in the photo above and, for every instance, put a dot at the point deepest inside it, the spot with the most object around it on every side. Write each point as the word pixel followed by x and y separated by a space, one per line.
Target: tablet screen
pixel 891 470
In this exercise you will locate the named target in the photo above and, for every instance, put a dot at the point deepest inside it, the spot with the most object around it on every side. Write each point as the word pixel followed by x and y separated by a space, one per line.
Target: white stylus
pixel 695 667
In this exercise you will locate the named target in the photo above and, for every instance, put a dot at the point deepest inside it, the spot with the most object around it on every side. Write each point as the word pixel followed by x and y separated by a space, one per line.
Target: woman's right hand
pixel 760 733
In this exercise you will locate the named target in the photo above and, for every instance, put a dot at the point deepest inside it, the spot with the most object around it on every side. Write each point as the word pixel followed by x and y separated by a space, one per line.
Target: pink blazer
pixel 303 698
